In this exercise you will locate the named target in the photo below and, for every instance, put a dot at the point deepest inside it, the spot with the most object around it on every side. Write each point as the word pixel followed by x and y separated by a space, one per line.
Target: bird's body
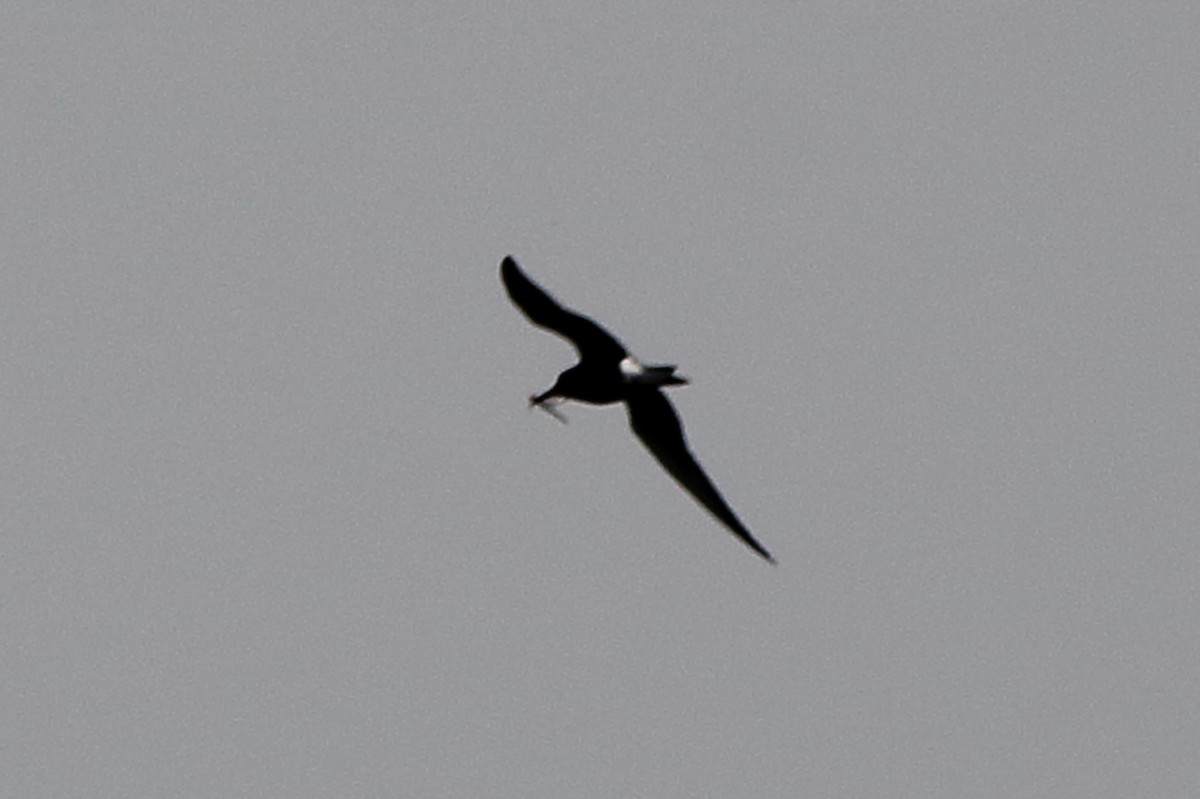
pixel 607 373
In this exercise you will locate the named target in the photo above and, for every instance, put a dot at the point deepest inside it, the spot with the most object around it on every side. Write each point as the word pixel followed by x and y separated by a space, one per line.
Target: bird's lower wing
pixel 589 338
pixel 655 422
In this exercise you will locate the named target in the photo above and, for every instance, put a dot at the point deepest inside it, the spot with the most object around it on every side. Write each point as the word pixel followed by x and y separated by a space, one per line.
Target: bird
pixel 607 373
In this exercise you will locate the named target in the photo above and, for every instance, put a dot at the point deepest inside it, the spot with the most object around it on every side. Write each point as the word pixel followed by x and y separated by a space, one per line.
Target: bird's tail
pixel 663 375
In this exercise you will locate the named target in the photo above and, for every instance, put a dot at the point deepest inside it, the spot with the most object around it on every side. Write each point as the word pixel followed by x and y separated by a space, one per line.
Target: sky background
pixel 276 521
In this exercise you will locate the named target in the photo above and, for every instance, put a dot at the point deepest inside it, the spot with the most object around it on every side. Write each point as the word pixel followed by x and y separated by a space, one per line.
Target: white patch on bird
pixel 631 367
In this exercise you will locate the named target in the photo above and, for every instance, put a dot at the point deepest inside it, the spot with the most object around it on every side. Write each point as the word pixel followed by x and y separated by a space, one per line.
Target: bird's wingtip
pixel 765 555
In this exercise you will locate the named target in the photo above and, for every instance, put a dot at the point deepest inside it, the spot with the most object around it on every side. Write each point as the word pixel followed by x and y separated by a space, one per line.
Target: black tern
pixel 607 373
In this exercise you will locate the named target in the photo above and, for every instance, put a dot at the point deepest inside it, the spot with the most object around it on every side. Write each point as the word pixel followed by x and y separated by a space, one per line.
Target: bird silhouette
pixel 607 373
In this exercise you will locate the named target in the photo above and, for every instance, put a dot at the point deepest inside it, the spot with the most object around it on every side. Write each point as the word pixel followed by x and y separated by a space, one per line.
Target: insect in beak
pixel 547 405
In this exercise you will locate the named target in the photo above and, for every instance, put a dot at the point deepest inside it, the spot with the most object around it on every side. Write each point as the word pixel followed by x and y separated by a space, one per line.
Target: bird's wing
pixel 655 422
pixel 591 340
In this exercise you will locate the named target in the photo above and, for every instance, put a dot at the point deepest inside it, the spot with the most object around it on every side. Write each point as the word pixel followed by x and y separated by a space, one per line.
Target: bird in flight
pixel 607 373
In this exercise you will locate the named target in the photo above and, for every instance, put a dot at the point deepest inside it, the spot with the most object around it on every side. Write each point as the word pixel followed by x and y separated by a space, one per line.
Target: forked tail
pixel 663 375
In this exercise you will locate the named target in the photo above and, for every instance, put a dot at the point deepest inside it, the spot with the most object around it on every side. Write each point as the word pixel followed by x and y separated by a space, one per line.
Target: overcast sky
pixel 275 519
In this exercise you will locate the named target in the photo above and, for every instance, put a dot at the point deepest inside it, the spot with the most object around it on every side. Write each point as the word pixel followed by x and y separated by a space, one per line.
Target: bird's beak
pixel 546 402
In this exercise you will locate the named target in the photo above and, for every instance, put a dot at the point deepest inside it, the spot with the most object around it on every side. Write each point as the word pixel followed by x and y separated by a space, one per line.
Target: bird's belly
pixel 600 397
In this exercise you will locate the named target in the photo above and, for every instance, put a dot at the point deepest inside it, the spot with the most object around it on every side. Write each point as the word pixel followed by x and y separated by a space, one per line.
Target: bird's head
pixel 556 395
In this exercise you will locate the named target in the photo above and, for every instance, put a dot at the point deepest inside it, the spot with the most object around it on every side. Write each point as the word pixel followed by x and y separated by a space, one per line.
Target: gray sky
pixel 275 520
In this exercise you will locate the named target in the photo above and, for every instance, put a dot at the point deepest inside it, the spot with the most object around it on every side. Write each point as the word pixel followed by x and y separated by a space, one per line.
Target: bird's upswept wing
pixel 655 422
pixel 592 341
